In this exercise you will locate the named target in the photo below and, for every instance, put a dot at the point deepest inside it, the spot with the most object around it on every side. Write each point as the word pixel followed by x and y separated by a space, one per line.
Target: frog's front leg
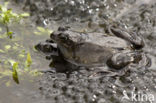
pixel 133 38
pixel 121 60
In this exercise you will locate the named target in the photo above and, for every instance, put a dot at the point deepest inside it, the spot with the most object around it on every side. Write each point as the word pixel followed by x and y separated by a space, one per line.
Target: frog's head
pixel 66 38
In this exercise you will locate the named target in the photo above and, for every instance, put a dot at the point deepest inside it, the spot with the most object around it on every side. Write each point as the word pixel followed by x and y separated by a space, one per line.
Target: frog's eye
pixel 63 36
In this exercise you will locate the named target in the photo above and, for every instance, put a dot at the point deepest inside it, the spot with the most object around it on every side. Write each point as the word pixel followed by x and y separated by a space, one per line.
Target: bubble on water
pixel 113 86
pixel 51 9
pixel 90 11
pixel 66 1
pixel 97 9
pixel 115 5
pixel 114 92
pixel 94 96
pixel 45 22
pixel 72 3
pixel 82 1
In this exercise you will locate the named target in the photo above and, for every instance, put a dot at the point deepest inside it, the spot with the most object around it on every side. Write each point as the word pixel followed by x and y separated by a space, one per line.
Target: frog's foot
pixel 121 63
pixel 145 62
pixel 47 47
pixel 101 73
pixel 132 37
pixel 106 72
pixel 121 60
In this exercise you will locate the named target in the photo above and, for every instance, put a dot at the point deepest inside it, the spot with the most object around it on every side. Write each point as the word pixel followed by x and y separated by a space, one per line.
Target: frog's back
pixel 107 41
pixel 94 48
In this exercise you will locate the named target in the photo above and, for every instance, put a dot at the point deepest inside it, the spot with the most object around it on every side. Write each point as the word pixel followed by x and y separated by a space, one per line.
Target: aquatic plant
pixel 28 61
pixel 7 16
pixel 18 69
pixel 14 73
pixel 41 31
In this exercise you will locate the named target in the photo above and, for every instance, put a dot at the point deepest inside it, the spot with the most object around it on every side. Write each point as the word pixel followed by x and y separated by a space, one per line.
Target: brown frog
pixel 116 50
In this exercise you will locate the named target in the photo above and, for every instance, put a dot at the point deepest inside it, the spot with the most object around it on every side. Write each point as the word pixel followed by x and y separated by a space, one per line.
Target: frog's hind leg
pixel 121 60
pixel 122 63
pixel 131 37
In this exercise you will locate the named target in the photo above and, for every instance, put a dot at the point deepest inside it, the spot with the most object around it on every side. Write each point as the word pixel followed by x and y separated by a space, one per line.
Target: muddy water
pixel 78 87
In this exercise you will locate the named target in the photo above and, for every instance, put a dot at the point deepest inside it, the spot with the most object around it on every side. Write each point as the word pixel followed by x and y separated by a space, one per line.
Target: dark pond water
pixel 90 15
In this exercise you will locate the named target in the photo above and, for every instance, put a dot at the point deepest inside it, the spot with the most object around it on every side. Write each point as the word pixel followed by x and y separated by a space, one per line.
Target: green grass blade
pixel 14 73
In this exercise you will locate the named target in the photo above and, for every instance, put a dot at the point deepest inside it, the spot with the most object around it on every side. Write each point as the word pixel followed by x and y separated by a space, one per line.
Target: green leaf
pixel 9 34
pixel 7 17
pixel 7 47
pixel 14 73
pixel 4 8
pixel 29 60
pixel 0 8
pixel 11 62
pixel 49 31
pixel 24 14
pixel 2 51
pixel 21 55
pixel 41 29
pixel 8 83
pixel 37 33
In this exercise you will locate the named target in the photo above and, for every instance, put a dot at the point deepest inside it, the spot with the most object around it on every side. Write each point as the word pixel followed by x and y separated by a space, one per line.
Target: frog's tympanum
pixel 116 50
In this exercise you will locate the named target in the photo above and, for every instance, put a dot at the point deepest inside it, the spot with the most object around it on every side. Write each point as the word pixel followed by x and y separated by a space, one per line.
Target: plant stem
pixel 8 31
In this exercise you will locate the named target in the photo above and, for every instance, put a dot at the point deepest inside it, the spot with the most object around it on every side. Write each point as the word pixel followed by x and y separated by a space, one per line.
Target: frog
pixel 117 49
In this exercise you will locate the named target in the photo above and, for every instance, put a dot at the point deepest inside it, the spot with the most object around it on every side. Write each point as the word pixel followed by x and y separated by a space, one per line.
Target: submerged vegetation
pixel 17 68
pixel 41 30
pixel 11 66
pixel 7 16
pixel 14 73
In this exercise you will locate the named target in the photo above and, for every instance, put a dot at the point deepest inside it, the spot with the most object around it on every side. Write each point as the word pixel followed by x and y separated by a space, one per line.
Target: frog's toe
pixel 102 71
pixel 106 72
pixel 145 61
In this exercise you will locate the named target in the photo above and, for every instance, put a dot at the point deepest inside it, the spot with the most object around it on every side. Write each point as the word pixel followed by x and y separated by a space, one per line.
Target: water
pixel 77 87
pixel 16 49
